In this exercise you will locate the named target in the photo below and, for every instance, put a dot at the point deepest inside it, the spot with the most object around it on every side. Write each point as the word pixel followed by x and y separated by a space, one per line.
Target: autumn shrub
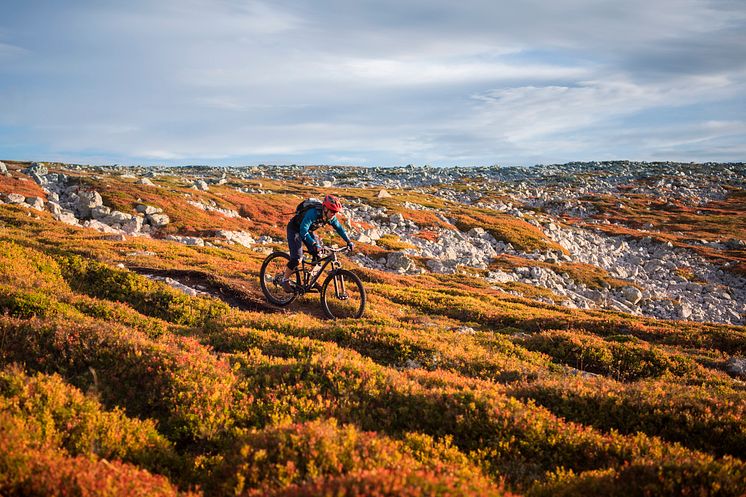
pixel 29 303
pixel 59 415
pixel 509 229
pixel 400 482
pixel 118 312
pixel 24 267
pixel 174 380
pixel 277 457
pixel 146 296
pixel 393 242
pixel 29 468
pixel 514 439
pixel 270 342
pixel 627 360
pixel 682 474
pixel 707 418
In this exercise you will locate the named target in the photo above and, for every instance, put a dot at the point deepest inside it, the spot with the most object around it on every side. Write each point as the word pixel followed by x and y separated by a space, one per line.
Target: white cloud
pixel 523 114
pixel 9 52
pixel 388 72
pixel 422 80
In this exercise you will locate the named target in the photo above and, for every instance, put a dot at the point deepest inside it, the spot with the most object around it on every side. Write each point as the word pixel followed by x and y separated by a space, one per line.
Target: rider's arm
pixel 339 228
pixel 305 225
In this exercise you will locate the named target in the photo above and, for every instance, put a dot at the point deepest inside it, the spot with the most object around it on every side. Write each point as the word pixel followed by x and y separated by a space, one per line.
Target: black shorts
pixel 295 244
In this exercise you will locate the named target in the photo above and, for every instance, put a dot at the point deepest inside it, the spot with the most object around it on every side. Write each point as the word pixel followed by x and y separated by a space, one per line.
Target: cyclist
pixel 309 217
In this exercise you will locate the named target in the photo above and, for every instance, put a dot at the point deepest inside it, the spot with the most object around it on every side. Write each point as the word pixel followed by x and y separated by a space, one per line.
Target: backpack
pixel 305 206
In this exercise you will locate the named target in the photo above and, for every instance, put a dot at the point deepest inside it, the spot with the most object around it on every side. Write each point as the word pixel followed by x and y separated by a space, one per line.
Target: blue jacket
pixel 313 220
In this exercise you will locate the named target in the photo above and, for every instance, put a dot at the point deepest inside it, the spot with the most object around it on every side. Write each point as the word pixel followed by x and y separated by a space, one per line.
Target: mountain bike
pixel 342 293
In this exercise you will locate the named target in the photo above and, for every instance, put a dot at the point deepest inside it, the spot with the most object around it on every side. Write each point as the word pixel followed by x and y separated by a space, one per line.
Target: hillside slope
pixel 509 346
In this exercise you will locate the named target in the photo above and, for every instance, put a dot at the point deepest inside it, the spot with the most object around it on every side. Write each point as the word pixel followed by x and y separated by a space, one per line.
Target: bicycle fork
pixel 339 287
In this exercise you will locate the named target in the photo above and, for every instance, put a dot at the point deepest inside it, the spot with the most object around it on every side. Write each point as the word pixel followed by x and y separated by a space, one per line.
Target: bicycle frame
pixel 308 281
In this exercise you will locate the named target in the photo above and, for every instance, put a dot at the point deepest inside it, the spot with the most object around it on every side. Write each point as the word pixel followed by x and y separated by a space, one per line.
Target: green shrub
pixel 29 303
pixel 147 297
pixel 683 474
pixel 707 418
pixel 622 360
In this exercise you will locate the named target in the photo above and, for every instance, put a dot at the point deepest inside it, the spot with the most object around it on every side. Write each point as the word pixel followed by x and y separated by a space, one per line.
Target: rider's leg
pixel 312 249
pixel 296 250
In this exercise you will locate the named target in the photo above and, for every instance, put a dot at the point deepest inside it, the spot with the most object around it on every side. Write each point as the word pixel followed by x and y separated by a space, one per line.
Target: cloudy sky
pixel 384 82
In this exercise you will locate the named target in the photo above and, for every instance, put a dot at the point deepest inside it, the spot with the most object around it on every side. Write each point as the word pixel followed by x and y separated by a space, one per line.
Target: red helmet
pixel 332 203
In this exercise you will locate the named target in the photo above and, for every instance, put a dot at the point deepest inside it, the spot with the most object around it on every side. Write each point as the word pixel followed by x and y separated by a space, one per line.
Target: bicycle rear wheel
pixel 343 295
pixel 270 275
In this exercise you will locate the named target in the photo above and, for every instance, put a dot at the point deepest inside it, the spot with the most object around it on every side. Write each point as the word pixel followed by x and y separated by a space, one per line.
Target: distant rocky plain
pixel 670 236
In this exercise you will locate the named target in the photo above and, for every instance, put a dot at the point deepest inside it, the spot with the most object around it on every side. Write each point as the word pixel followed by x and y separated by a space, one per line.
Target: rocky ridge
pixel 660 280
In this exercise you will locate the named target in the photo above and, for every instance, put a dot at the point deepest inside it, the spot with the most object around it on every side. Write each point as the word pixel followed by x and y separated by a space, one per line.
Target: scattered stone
pixel 631 294
pixel 117 218
pixel 464 330
pixel 36 168
pixel 99 226
pixel 148 209
pixel 399 262
pixel 15 198
pixel 736 366
pixel 684 310
pixel 213 207
pixel 141 253
pixel 192 241
pixel 158 220
pixel 240 237
pixel 412 364
pixel 100 211
pixel 132 226
pixel 35 203
pixel 87 200
pixel 200 185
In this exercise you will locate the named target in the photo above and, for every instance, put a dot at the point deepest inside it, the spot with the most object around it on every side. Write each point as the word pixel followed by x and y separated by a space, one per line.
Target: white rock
pixel 36 168
pixel 98 225
pixel 736 366
pixel 3 168
pixel 99 212
pixel 383 194
pixel 192 241
pixel 158 220
pixel 146 182
pixel 148 209
pixel 684 310
pixel 397 219
pixel 86 201
pixel 631 294
pixel 200 185
pixel 15 198
pixel 134 225
pixel 35 203
pixel 117 217
pixel 240 237
pixel 398 261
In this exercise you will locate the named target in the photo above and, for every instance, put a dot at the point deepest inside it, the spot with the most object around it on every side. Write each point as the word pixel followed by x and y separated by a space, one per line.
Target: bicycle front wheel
pixel 343 295
pixel 270 275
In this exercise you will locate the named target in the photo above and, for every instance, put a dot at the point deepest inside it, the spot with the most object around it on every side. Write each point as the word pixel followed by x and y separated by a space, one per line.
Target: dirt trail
pixel 235 294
